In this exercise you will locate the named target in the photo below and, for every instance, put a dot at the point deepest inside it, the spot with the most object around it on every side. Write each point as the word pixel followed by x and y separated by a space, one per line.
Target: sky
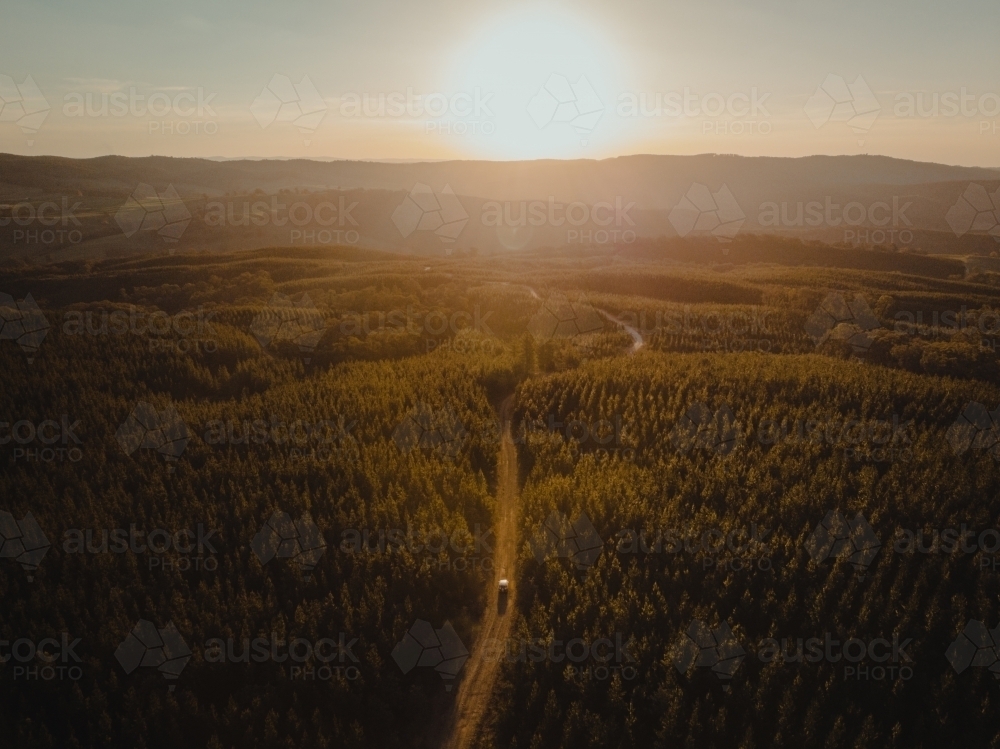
pixel 441 79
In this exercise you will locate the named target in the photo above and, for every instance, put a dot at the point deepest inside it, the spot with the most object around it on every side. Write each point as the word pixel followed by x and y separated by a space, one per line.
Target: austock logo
pixel 437 430
pixel 432 323
pixel 430 541
pixel 26 435
pixel 147 428
pixel 839 319
pixel 700 427
pixel 299 654
pixel 183 105
pixel 836 100
pixel 599 659
pixel 862 439
pixel 182 332
pixel 608 437
pixel 737 549
pixel 601 222
pixel 23 541
pixel 298 322
pixel 562 102
pixel 855 653
pixel 976 210
pixel 148 647
pixel 424 210
pixel 440 649
pixel 836 536
pixel 561 317
pixel 43 223
pixel 147 210
pixel 156 543
pixel 720 651
pixel 315 222
pixel 300 438
pixel 298 540
pixel 24 323
pixel 49 651
pixel 577 541
pixel 685 103
pixel 976 646
pixel 23 104
pixel 409 104
pixel 948 104
pixel 283 101
pixel 701 210
pixel 877 222
pixel 977 429
pixel 949 541
pixel 703 647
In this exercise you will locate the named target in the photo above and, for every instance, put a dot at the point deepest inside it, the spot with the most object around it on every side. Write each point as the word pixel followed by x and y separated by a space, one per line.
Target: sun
pixel 550 82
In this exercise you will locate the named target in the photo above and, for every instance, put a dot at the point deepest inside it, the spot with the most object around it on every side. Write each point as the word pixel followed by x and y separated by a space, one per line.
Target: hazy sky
pixel 501 80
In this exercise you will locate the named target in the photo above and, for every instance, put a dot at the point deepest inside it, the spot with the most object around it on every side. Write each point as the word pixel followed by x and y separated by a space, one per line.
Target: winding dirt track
pixel 637 340
pixel 476 687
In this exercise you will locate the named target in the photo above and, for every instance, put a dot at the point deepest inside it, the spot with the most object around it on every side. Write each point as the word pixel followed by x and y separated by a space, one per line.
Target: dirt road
pixel 480 675
pixel 637 340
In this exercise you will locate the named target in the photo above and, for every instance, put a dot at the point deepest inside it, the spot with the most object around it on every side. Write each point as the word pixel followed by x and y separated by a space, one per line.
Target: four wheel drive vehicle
pixel 503 585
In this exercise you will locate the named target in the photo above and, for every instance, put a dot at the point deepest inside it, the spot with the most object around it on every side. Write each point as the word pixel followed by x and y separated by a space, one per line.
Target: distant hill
pixel 620 200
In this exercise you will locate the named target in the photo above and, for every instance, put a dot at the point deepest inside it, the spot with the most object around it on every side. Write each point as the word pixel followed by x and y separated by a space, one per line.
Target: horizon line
pixel 331 159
